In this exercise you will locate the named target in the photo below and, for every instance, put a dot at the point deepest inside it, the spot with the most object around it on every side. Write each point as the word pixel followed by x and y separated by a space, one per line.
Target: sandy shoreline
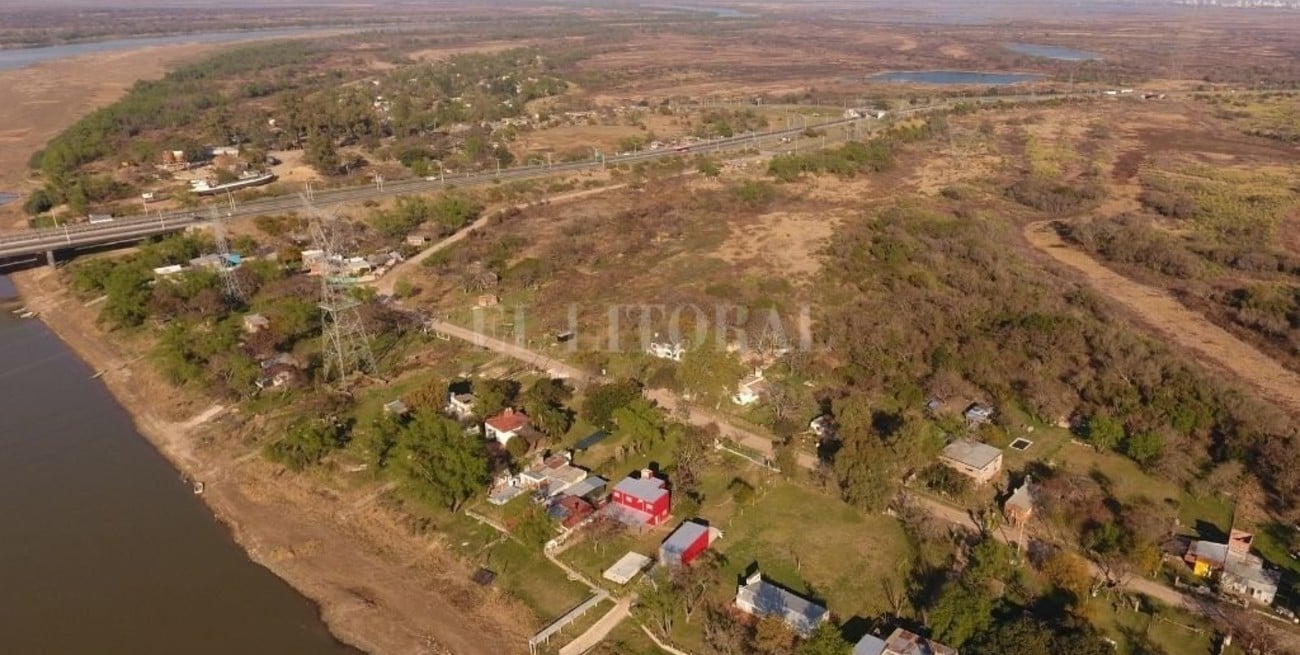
pixel 378 587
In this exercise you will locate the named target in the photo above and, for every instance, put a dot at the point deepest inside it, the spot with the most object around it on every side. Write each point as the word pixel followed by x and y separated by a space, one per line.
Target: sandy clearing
pixel 1176 323
pixel 44 99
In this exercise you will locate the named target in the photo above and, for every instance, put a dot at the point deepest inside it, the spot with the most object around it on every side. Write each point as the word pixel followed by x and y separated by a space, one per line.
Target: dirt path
pixel 1175 322
pixel 386 284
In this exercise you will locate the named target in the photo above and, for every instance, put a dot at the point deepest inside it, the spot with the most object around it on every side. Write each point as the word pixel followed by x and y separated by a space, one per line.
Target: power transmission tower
pixel 346 344
pixel 229 281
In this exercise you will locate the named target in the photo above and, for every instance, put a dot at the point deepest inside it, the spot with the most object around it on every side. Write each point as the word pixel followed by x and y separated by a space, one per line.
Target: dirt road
pixel 1176 323
pixel 386 284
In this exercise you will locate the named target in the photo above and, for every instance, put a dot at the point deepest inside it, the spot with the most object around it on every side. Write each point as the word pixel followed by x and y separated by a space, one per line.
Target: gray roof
pixel 769 599
pixel 971 453
pixel 869 645
pixel 592 483
pixel 647 489
pixel 683 537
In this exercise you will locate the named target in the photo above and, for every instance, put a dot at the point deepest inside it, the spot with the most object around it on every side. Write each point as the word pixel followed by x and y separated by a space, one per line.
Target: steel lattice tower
pixel 346 343
pixel 229 281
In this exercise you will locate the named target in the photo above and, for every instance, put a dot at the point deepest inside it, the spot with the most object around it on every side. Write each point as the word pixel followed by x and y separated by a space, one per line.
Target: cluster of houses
pixel 1239 573
pixel 362 269
pixel 213 262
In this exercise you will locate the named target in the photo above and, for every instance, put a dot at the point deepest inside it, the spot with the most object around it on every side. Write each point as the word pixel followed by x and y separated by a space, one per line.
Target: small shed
pixel 684 544
pixel 626 568
pixel 978 461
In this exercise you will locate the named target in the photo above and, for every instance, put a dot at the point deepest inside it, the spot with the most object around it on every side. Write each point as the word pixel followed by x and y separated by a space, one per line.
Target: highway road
pixel 123 229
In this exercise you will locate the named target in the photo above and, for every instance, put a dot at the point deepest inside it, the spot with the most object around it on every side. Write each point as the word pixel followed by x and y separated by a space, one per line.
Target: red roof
pixel 509 421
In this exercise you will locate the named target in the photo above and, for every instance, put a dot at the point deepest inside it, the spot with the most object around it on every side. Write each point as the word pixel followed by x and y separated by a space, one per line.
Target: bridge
pixel 50 241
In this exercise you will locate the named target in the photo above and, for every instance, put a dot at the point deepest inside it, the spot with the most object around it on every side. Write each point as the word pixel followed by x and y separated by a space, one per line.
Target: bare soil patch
pixel 43 100
pixel 1176 323
pixel 785 243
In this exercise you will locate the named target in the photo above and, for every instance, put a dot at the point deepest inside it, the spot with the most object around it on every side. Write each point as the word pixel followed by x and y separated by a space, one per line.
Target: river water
pixel 20 57
pixel 103 549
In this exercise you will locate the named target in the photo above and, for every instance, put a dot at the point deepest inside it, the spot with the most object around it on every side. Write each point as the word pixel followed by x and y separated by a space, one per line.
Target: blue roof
pixel 683 537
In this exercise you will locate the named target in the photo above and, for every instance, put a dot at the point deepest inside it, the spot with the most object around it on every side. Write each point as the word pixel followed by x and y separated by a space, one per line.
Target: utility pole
pixel 234 291
pixel 347 345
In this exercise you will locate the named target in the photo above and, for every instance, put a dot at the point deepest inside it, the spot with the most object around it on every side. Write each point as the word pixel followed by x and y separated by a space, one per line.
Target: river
pixel 104 548
pixel 20 57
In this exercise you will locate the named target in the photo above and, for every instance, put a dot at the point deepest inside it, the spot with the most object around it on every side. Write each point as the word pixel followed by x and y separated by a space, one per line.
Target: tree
pixel 127 288
pixel 1104 432
pixel 603 398
pixel 379 439
pixel 990 560
pixel 709 372
pixel 773 637
pixel 544 402
pixel 321 155
pixel 534 527
pixel 1026 635
pixel 1144 448
pixel 960 613
pixel 306 442
pixel 825 640
pixel 723 633
pixel 693 582
pixel 659 601
pixel 1069 573
pixel 640 422
pixel 491 396
pixel 40 201
pixel 437 461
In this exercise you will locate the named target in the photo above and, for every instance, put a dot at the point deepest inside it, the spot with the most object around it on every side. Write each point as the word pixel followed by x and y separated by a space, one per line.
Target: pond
pixel 954 77
pixel 1052 52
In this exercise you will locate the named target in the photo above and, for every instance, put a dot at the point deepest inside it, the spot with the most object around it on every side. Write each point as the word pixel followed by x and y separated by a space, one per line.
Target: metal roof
pixel 971 453
pixel 647 489
pixel 683 537
pixel 769 599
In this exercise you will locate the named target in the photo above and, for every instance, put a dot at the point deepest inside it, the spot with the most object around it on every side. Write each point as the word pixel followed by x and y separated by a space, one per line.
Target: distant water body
pixel 1052 52
pixel 23 57
pixel 955 77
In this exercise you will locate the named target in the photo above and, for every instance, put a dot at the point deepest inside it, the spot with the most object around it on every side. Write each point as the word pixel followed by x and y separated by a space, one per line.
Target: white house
pixel 750 390
pixel 759 597
pixel 505 426
pixel 460 405
pixel 666 350
pixel 978 461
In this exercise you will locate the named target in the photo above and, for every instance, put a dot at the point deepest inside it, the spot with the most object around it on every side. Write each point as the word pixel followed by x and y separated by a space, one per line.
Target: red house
pixel 642 501
pixel 684 544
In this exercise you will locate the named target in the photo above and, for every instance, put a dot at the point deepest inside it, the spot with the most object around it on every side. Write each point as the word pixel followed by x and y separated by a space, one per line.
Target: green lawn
pixel 1127 480
pixel 527 575
pixel 1153 630
pixel 813 543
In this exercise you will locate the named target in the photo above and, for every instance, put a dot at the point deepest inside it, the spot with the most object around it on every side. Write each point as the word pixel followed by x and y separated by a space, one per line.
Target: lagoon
pixel 947 77
pixel 1052 52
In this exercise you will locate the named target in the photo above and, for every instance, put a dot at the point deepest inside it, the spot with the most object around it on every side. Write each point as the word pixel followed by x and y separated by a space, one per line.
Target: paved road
pixel 31 242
